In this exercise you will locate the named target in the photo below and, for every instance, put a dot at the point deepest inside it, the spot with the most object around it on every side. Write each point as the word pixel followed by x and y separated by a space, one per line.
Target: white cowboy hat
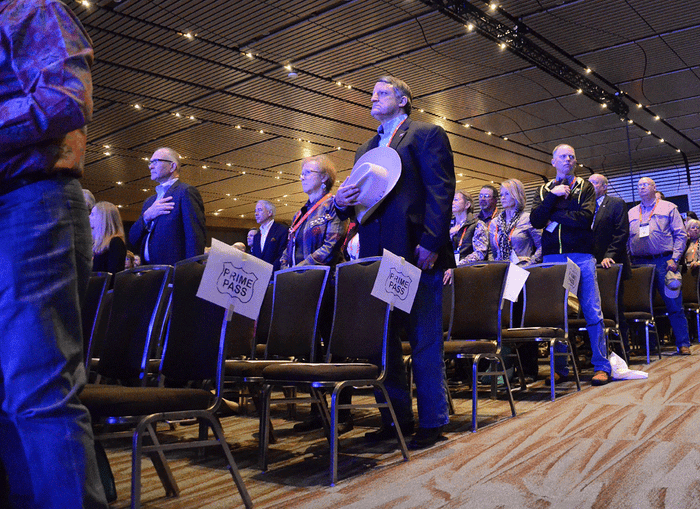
pixel 375 173
pixel 673 282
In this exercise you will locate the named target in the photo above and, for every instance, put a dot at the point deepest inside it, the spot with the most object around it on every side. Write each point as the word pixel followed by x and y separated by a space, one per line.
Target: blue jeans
pixel 424 331
pixel 589 300
pixel 676 315
pixel 46 440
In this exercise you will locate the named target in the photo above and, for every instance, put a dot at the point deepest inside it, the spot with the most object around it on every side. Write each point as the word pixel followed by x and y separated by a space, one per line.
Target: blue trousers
pixel 679 323
pixel 423 329
pixel 46 440
pixel 589 299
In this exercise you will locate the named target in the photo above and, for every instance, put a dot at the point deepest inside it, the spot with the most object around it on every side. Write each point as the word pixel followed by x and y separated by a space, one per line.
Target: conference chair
pixel 691 300
pixel 639 309
pixel 91 313
pixel 609 287
pixel 292 329
pixel 359 331
pixel 477 324
pixel 190 386
pixel 139 299
pixel 544 317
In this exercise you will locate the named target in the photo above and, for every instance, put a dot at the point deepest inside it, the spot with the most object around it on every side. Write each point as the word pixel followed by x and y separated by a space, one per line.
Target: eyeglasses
pixel 486 196
pixel 307 173
pixel 644 184
pixel 154 161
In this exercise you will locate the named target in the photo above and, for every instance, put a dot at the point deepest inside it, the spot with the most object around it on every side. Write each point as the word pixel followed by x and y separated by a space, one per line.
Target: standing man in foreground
pixel 412 221
pixel 611 232
pixel 657 237
pixel 171 226
pixel 270 241
pixel 564 209
pixel 46 440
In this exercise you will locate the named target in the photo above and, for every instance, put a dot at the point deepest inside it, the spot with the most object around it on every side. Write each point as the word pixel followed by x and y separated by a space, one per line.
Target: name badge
pixel 643 230
pixel 457 257
pixel 551 226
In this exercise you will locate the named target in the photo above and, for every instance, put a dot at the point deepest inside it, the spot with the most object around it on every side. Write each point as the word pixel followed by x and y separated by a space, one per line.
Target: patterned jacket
pixel 317 241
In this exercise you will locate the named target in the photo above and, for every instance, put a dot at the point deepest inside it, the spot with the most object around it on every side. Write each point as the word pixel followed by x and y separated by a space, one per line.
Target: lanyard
pixel 391 138
pixel 300 221
pixel 652 212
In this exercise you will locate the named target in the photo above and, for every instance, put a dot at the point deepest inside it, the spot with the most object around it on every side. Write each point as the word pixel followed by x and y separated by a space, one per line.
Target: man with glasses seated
pixel 171 226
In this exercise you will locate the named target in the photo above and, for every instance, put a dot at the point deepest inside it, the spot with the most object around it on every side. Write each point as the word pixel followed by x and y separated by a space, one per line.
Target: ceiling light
pixel 106 146
pixel 119 183
pixel 640 105
pixel 108 153
pixel 137 106
pixel 470 27
pixel 238 127
pixel 588 70
pixel 288 67
pixel 657 117
pixel 661 140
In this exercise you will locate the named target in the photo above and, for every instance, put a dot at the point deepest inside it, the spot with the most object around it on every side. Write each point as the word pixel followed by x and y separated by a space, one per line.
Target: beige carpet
pixel 631 444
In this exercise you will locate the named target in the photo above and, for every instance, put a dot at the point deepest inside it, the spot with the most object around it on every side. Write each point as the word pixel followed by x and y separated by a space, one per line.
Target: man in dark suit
pixel 413 222
pixel 611 230
pixel 171 226
pixel 271 239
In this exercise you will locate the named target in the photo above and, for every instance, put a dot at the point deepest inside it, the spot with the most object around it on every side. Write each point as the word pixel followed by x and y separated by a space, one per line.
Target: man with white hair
pixel 270 241
pixel 171 226
pixel 657 237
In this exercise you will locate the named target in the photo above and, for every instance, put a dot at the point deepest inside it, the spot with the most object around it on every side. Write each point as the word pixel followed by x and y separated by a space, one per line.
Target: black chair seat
pixel 580 323
pixel 637 315
pixel 533 333
pixel 455 347
pixel 321 371
pixel 249 369
pixel 118 401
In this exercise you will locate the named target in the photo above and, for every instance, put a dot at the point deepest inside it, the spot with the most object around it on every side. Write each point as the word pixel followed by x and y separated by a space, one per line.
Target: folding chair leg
pixel 233 468
pixel 161 465
pixel 551 369
pixel 399 433
pixel 264 437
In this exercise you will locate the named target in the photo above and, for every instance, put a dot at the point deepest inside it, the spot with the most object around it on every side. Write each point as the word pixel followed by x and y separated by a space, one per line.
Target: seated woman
pixel 316 238
pixel 108 247
pixel 511 235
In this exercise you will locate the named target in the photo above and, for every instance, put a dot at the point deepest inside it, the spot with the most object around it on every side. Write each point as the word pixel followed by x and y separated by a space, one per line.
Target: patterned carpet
pixel 631 444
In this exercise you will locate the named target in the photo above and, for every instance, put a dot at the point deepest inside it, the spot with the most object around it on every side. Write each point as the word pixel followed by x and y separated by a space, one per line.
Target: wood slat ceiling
pixel 210 94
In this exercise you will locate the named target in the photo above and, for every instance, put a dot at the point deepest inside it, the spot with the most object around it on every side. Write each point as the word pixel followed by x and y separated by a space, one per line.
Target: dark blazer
pixel 175 236
pixel 275 244
pixel 611 230
pixel 418 209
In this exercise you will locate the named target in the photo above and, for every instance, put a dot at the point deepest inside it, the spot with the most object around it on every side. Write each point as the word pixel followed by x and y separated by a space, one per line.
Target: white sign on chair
pixel 397 282
pixel 234 280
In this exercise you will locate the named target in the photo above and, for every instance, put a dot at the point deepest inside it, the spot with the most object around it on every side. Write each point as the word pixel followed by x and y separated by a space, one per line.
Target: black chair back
pixel 609 286
pixel 545 299
pixel 448 303
pixel 296 305
pixel 477 303
pixel 361 321
pixel 638 290
pixel 690 288
pixel 91 312
pixel 133 329
pixel 191 348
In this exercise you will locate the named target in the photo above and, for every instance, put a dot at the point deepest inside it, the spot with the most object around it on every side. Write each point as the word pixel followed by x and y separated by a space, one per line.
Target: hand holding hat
pixel 373 176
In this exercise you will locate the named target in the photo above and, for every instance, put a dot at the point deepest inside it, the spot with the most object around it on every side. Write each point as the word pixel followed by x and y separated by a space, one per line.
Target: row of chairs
pixel 197 340
pixel 153 303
